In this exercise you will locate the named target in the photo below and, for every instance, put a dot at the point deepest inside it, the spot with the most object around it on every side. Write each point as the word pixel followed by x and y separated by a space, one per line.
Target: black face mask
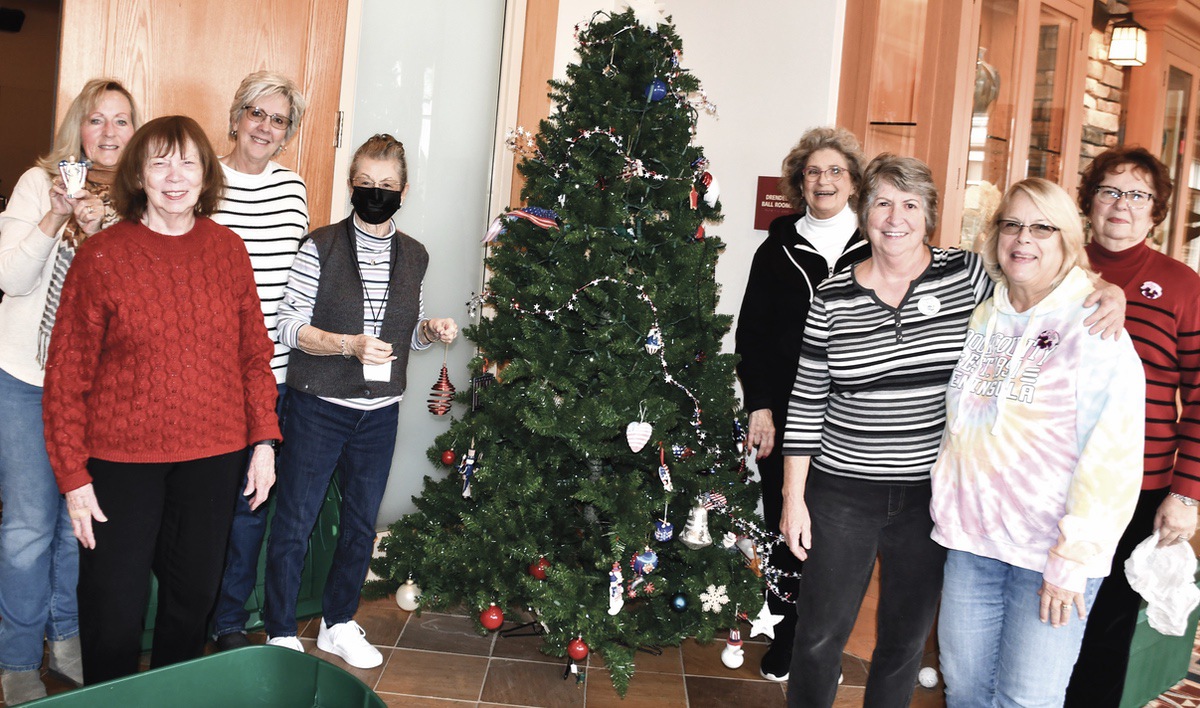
pixel 373 204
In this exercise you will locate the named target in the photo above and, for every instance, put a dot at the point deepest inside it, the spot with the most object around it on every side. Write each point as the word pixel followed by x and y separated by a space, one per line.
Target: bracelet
pixel 425 332
pixel 345 354
pixel 1186 501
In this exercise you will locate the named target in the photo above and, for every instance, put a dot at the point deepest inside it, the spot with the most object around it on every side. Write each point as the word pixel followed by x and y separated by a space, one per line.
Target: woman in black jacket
pixel 821 178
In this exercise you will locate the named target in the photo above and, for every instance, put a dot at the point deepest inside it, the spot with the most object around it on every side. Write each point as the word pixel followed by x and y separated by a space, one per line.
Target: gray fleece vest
pixel 339 308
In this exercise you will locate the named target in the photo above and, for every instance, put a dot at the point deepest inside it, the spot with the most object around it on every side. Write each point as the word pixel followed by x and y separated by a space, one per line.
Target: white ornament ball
pixel 733 657
pixel 408 597
pixel 928 677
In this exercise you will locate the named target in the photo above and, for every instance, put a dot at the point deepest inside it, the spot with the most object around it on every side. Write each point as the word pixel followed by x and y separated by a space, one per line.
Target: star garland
pixel 550 314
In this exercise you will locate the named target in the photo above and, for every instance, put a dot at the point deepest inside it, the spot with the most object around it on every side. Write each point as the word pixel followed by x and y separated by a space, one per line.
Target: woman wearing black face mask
pixel 354 289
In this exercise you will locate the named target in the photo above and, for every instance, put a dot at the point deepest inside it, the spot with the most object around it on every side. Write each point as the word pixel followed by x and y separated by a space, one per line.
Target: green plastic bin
pixel 252 676
pixel 1156 661
pixel 321 547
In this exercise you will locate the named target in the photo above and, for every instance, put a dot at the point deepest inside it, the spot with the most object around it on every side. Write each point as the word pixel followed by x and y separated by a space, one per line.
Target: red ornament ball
pixel 538 568
pixel 577 649
pixel 449 457
pixel 491 618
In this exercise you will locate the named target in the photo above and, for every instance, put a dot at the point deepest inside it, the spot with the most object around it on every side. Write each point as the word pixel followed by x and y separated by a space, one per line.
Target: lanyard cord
pixel 376 313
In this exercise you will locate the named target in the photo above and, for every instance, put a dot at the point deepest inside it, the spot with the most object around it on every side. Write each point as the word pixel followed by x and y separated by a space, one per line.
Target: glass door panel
pixel 989 149
pixel 892 119
pixel 1189 202
pixel 1050 84
pixel 1177 118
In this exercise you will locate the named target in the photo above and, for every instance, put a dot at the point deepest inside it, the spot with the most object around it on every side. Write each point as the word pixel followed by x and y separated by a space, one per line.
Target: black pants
pixel 173 518
pixel 852 522
pixel 1099 676
pixel 770 471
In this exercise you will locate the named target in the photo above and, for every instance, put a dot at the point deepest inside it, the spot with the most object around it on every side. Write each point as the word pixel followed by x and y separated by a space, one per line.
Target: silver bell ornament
pixel 695 534
pixel 408 597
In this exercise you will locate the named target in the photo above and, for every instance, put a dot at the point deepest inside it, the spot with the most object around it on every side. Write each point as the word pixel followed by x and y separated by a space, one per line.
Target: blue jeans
pixel 39 557
pixel 322 436
pixel 995 650
pixel 852 522
pixel 241 558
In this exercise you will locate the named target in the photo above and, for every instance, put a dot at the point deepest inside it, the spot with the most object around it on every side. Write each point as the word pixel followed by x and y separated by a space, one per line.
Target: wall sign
pixel 769 204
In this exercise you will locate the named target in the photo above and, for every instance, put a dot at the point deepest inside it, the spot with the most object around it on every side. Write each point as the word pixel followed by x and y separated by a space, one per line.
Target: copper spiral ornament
pixel 442 394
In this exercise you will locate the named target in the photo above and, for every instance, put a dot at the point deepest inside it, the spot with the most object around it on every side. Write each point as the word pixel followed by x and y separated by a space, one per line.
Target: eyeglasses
pixel 366 183
pixel 1008 227
pixel 258 115
pixel 1133 198
pixel 812 174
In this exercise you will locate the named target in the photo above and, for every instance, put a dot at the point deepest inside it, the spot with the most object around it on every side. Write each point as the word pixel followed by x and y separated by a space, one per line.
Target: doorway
pixel 28 65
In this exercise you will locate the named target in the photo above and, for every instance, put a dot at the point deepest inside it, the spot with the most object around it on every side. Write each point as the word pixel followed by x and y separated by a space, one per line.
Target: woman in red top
pixel 1125 193
pixel 158 382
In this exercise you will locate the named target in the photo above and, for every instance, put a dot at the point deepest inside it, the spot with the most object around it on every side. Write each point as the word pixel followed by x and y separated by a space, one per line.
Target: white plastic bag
pixel 1165 577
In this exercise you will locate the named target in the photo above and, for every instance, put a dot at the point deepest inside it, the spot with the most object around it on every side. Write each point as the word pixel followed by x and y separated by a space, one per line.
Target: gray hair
pixel 825 137
pixel 266 83
pixel 907 174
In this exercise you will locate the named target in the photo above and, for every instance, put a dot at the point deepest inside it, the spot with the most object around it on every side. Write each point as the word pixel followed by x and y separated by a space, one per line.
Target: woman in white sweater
pixel 39 233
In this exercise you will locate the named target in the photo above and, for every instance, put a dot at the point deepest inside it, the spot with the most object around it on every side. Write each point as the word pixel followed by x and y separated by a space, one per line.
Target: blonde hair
pixel 1058 209
pixel 831 138
pixel 68 140
pixel 267 83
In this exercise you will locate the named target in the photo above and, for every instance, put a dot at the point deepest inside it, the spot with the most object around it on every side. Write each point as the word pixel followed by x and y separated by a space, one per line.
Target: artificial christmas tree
pixel 612 419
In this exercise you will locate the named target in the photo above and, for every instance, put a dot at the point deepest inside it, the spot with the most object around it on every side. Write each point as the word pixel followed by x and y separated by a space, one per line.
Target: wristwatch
pixel 1186 501
pixel 275 446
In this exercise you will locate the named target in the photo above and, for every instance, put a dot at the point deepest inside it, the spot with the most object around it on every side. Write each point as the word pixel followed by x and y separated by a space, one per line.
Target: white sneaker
pixel 349 641
pixel 290 642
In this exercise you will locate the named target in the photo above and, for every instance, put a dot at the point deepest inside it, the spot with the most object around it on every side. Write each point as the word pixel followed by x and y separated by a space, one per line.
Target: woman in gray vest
pixel 354 289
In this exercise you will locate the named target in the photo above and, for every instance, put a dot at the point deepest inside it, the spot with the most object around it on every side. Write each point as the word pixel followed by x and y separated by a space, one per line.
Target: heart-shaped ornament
pixel 638 434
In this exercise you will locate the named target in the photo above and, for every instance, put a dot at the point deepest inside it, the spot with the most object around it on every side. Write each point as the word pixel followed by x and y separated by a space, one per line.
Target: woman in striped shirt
pixel 862 433
pixel 266 204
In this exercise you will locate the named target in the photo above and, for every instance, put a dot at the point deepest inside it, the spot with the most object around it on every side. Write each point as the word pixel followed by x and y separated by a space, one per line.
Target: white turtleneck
pixel 829 236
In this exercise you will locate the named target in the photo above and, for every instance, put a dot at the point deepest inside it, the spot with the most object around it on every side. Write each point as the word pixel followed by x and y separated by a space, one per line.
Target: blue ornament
pixel 656 90
pixel 663 530
pixel 679 602
pixel 645 562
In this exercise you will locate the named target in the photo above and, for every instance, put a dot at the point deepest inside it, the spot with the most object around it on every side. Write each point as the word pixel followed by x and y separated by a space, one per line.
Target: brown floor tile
pixel 706 692
pixel 646 690
pixel 862 637
pixel 437 632
pixel 854 671
pixel 928 697
pixel 669 661
pixel 528 683
pixel 848 697
pixel 398 701
pixel 368 676
pixel 433 674
pixel 526 648
pixel 705 660
pixel 382 620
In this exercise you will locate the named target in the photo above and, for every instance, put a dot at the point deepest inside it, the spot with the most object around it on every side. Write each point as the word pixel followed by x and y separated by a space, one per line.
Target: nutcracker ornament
pixel 616 598
pixel 467 469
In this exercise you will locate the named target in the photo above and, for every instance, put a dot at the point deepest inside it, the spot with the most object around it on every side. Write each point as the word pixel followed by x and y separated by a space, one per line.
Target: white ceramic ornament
pixel 733 656
pixel 638 434
pixel 408 597
pixel 711 193
pixel 928 677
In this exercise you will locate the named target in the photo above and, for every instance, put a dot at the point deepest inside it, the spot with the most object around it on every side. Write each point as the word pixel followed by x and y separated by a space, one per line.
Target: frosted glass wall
pixel 428 73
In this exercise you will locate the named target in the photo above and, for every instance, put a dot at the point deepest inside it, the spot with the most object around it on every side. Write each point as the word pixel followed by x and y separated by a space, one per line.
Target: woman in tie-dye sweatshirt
pixel 1040 464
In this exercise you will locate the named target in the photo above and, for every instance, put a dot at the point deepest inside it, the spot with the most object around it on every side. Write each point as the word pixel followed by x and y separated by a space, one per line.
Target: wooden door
pixel 188 57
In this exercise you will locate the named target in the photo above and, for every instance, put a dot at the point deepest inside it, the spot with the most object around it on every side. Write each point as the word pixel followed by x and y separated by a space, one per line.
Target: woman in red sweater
pixel 1125 193
pixel 158 383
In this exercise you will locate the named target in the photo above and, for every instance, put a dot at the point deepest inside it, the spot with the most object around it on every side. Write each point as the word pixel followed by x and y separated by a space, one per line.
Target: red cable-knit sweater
pixel 1163 319
pixel 159 352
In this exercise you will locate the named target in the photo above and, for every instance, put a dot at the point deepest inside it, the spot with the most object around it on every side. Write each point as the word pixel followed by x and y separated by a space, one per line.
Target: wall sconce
pixel 1128 44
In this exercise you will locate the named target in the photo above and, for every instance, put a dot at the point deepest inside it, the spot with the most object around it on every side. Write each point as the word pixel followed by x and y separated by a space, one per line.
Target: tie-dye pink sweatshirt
pixel 1041 460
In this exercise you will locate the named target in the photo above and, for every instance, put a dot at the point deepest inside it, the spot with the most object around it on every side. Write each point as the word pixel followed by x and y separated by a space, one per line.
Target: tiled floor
pixel 438 661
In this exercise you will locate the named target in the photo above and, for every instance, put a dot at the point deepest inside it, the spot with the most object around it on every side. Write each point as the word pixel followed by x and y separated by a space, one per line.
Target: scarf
pixel 99 183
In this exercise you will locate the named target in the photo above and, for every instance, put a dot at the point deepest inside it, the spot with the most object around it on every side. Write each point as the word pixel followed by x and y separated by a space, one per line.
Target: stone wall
pixel 1102 97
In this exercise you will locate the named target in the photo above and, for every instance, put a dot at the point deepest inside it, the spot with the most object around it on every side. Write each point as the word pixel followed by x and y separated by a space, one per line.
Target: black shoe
pixel 232 640
pixel 777 661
